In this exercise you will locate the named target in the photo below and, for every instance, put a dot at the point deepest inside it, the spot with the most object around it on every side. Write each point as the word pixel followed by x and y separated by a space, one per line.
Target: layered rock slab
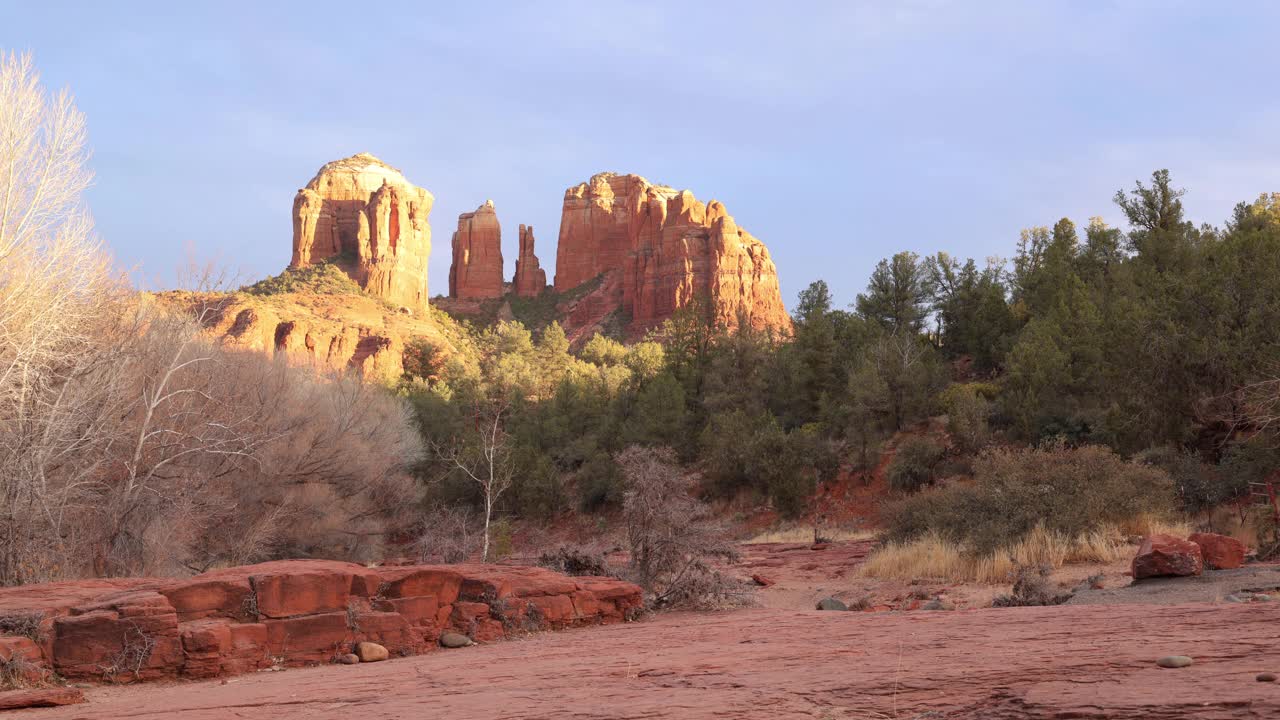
pixel 988 664
pixel 292 613
pixel 476 271
pixel 670 250
pixel 362 214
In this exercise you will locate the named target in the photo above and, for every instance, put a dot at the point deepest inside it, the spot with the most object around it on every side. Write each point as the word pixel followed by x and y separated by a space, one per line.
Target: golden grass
pixel 932 556
pixel 1145 524
pixel 804 533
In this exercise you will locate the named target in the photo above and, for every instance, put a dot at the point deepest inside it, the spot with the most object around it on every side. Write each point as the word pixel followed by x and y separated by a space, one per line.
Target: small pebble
pixel 1174 661
pixel 1266 677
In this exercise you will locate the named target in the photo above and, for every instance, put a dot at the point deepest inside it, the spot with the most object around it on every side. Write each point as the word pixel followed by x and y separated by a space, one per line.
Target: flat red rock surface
pixel 1055 662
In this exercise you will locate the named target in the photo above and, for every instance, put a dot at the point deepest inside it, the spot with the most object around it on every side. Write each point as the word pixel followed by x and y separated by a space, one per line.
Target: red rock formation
pixel 476 272
pixel 530 279
pixel 1163 555
pixel 294 612
pixel 365 216
pixel 670 249
pixel 1219 551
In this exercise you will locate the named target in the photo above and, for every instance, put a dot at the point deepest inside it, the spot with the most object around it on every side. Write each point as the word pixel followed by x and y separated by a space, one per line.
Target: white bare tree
pixel 484 456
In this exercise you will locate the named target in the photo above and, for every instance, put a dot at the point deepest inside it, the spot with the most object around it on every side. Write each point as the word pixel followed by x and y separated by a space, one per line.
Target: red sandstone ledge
pixel 290 613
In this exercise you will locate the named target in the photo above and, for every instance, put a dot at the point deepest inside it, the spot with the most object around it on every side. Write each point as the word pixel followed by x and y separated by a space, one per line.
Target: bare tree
pixel 672 536
pixel 60 320
pixel 483 455
pixel 130 442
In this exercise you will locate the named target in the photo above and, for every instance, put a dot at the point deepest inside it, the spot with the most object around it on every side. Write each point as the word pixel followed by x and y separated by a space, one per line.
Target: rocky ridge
pixel 670 250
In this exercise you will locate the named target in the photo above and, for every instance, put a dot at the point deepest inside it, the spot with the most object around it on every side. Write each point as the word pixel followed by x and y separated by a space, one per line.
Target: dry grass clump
pixel 934 556
pixel 807 533
pixel 1147 524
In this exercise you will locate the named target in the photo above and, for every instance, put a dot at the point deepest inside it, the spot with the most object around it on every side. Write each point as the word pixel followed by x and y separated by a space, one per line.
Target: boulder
pixel 1166 555
pixel 668 249
pixel 371 652
pixel 831 604
pixel 1219 551
pixel 363 215
pixel 476 271
pixel 530 279
pixel 454 640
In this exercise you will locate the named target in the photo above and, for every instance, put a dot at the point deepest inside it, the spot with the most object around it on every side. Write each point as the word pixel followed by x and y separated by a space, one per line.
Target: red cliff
pixel 669 249
pixel 530 279
pixel 476 272
pixel 364 216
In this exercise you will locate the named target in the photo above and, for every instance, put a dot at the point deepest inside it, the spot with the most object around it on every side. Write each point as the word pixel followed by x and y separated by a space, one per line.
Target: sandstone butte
pixel 530 279
pixel 668 249
pixel 365 216
pixel 290 613
pixel 476 271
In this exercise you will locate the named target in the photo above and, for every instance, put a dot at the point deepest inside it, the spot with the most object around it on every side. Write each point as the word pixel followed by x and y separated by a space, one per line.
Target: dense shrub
pixel 1066 490
pixel 600 484
pixel 324 278
pixel 968 409
pixel 913 466
pixel 753 454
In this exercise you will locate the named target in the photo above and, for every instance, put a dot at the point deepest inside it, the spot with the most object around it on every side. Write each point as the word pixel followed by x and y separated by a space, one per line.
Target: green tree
pixel 897 295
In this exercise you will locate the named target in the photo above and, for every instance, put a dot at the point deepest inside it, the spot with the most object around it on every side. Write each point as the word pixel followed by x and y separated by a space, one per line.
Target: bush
pixel 913 466
pixel 1067 491
pixel 575 561
pixel 1031 588
pixel 968 415
pixel 323 278
pixel 672 536
pixel 600 485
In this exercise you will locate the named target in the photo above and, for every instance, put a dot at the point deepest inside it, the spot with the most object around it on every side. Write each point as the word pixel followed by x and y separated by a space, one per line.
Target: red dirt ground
pixel 1055 662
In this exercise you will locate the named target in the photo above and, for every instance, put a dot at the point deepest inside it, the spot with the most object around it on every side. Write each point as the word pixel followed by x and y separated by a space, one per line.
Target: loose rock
pixel 455 640
pixel 1266 677
pixel 938 604
pixel 371 652
pixel 831 604
pixel 1174 661
pixel 1219 551
pixel 349 659
pixel 1162 555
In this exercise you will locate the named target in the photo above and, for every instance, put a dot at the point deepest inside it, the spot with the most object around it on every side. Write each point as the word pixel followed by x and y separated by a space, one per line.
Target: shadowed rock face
pixel 364 215
pixel 476 272
pixel 670 249
pixel 530 279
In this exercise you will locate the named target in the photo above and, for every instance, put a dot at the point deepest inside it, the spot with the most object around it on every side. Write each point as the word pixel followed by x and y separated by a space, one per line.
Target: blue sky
pixel 836 132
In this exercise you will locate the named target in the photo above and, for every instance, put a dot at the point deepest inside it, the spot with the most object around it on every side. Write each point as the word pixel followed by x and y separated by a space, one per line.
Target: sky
pixel 838 133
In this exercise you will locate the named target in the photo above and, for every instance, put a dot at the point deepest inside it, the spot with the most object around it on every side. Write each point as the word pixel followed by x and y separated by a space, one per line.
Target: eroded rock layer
pixel 290 613
pixel 530 279
pixel 365 216
pixel 476 272
pixel 670 249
